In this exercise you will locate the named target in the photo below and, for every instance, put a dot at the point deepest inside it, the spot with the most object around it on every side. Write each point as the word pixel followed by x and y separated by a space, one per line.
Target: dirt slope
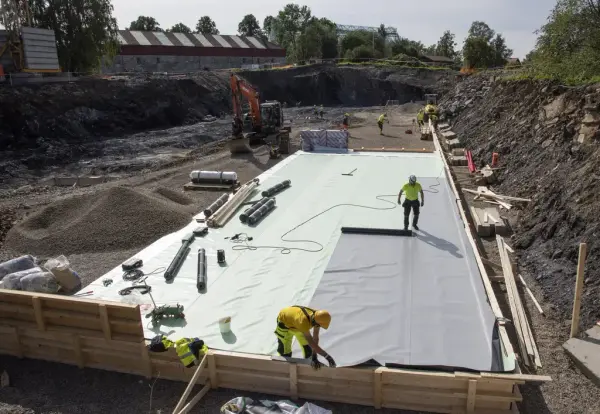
pixel 349 86
pixel 536 127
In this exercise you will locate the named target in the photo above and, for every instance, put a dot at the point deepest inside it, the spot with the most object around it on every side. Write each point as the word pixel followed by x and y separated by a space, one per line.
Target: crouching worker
pixel 297 321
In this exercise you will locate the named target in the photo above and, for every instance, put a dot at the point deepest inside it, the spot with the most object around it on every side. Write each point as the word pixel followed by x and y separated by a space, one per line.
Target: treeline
pixel 86 31
pixel 568 45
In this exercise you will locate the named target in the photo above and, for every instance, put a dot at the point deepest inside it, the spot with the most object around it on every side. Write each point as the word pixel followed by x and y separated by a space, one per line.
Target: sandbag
pixel 13 280
pixel 16 265
pixel 67 278
pixel 245 405
pixel 41 282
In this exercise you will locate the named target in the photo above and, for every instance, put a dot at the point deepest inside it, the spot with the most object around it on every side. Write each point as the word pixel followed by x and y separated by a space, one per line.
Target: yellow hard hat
pixel 322 318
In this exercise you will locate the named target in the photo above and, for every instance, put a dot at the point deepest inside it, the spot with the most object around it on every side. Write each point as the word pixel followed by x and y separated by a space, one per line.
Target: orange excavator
pixel 258 123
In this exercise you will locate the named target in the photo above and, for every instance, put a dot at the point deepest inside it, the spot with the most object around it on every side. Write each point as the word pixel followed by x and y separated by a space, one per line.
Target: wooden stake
pixel 293 381
pixel 104 322
pixel 471 394
pixel 39 316
pixel 195 400
pixel 530 293
pixel 578 290
pixel 377 389
pixel 190 386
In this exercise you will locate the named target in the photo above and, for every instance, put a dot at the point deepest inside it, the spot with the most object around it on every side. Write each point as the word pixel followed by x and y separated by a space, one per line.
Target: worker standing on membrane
pixel 382 118
pixel 297 321
pixel 412 189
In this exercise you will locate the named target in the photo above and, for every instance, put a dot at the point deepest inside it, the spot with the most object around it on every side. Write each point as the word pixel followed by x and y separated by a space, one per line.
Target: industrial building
pixel 183 52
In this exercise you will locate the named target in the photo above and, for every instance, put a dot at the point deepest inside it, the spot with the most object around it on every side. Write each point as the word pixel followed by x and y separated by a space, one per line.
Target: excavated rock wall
pixel 348 86
pixel 548 139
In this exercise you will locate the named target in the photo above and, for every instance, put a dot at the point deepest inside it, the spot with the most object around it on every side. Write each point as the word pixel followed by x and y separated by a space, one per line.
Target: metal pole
pixel 578 290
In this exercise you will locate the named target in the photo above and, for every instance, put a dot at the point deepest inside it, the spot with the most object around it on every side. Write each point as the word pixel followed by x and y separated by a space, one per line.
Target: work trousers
pixel 415 205
pixel 285 336
pixel 380 125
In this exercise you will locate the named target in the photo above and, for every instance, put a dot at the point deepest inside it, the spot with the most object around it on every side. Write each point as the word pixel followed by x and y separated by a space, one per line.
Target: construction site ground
pixel 43 387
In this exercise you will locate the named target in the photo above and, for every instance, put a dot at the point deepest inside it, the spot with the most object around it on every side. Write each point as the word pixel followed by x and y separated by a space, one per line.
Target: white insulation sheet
pixel 430 290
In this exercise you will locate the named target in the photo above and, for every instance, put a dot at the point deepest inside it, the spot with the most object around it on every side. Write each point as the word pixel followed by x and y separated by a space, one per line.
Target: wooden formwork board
pixel 36 326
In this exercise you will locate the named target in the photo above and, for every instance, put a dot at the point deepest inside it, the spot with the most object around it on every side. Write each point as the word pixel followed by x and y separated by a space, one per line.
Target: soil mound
pixel 174 196
pixel 116 219
pixel 546 135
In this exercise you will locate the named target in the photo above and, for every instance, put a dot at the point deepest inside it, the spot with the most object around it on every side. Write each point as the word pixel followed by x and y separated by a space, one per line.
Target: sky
pixel 517 20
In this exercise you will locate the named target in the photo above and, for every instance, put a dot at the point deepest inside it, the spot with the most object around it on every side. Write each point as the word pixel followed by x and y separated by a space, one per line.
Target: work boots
pixel 415 220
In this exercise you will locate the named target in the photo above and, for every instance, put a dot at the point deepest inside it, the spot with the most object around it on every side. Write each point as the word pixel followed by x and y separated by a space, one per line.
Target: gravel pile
pixel 174 196
pixel 115 219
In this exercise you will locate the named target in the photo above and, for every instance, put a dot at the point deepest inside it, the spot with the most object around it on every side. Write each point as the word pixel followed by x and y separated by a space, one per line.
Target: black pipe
pixel 262 211
pixel 214 207
pixel 276 188
pixel 201 275
pixel 179 257
pixel 244 216
pixel 382 232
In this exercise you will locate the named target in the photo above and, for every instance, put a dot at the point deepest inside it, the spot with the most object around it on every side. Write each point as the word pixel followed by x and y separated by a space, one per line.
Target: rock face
pixel 537 129
pixel 348 86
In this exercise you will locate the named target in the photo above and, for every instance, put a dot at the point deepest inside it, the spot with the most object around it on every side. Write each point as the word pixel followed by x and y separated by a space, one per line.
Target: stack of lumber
pixel 527 345
pixel 488 196
pixel 488 221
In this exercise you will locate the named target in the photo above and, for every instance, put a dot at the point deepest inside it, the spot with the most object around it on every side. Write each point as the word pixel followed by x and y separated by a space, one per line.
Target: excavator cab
pixel 272 117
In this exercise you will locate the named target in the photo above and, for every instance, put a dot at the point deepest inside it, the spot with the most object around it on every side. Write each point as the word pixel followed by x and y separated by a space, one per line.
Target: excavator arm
pixel 239 89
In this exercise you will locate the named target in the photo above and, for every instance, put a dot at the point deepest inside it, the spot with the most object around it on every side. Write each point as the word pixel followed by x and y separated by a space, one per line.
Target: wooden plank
pixel 471 393
pixel 293 381
pixel 578 289
pixel 104 322
pixel 512 300
pixel 392 149
pixel 146 362
pixel 212 370
pixel 190 386
pixel 196 399
pixel 507 347
pixel 530 293
pixel 377 389
pixel 37 310
pixel 19 348
pixel 78 352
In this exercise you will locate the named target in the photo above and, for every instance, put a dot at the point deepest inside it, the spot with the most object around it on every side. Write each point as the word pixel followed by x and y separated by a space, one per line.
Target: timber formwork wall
pixel 105 335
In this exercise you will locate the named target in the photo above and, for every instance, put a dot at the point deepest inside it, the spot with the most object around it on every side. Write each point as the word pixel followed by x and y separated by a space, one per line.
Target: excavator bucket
pixel 239 145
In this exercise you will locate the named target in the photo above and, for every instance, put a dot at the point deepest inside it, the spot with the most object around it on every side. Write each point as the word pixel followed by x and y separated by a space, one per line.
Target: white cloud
pixel 417 20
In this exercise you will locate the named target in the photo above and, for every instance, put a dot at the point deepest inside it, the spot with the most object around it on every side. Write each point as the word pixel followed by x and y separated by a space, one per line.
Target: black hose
pixel 276 188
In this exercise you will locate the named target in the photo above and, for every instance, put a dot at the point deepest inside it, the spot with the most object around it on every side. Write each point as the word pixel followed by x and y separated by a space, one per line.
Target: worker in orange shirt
pixel 297 321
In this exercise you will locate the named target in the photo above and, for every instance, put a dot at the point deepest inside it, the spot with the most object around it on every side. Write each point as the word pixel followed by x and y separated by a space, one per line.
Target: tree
pixel 501 51
pixel 180 28
pixel 446 45
pixel 268 25
pixel 407 47
pixel 381 31
pixel 85 30
pixel 318 40
pixel 362 39
pixel 360 53
pixel 481 29
pixel 249 26
pixel 206 25
pixel 291 22
pixel 145 24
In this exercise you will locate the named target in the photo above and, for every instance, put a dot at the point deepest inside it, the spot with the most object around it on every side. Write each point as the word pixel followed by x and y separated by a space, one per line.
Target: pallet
pixel 104 335
pixel 209 187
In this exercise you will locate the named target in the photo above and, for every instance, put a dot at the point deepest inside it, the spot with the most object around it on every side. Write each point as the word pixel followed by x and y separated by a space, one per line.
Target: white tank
pixel 213 176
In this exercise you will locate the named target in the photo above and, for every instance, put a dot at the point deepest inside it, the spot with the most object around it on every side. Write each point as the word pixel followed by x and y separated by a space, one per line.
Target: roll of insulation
pixel 276 188
pixel 244 216
pixel 212 209
pixel 213 176
pixel 201 275
pixel 262 211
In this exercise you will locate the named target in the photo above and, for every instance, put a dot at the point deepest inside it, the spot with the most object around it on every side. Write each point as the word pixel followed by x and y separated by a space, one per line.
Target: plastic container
pixel 16 265
pixel 60 268
pixel 225 325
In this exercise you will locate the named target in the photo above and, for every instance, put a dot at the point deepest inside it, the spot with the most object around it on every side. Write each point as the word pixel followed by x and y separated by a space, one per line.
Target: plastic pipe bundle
pixel 244 216
pixel 221 217
pixel 179 257
pixel 276 188
pixel 262 211
pixel 214 207
pixel 201 275
pixel 213 177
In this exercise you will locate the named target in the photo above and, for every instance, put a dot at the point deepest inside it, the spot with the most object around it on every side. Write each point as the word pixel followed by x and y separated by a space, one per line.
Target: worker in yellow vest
pixel 382 118
pixel 420 117
pixel 412 189
pixel 189 350
pixel 297 321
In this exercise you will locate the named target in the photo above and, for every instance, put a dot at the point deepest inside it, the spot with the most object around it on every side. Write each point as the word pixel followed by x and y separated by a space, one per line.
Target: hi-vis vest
pixel 185 353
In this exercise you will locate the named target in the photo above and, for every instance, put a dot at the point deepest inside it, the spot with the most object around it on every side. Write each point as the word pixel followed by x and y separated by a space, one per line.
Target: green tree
pixel 249 26
pixel 206 25
pixel 318 40
pixel 180 28
pixel 481 29
pixel 484 48
pixel 145 24
pixel 501 51
pixel 407 47
pixel 446 46
pixel 360 53
pixel 289 24
pixel 268 25
pixel 85 30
